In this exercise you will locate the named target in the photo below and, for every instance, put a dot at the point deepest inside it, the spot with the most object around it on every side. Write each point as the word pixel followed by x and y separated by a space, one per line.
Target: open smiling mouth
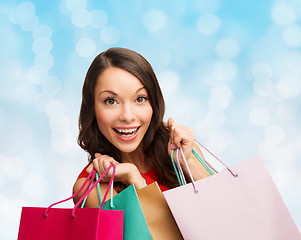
pixel 126 132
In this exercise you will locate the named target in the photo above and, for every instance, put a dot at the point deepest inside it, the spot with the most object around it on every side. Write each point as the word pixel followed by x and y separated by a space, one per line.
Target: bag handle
pixel 234 174
pixel 99 194
pixel 112 197
pixel 93 186
pixel 210 169
pixel 89 179
pixel 186 164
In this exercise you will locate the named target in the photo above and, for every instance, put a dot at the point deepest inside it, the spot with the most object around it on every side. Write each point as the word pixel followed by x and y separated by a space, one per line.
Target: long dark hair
pixel 156 138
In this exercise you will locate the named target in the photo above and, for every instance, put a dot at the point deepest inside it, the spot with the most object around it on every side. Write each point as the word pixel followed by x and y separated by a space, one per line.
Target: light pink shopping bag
pixel 74 224
pixel 225 206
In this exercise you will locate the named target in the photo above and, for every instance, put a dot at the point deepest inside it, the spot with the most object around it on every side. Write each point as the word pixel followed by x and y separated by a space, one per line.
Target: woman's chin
pixel 128 148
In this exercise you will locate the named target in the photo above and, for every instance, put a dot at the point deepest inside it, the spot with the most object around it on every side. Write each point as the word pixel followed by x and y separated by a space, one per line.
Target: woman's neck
pixel 137 158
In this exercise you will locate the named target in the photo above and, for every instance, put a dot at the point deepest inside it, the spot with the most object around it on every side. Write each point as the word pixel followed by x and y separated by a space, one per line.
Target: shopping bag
pixel 237 203
pixel 159 219
pixel 135 226
pixel 77 224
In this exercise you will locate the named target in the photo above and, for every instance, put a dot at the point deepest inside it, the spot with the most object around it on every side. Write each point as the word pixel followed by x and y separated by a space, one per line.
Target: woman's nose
pixel 127 113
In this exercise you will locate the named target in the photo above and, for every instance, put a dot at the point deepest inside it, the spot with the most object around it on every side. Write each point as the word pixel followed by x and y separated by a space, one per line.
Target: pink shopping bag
pixel 77 223
pixel 237 203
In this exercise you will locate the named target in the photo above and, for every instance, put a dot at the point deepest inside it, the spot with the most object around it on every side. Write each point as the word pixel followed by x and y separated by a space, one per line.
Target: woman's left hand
pixel 180 136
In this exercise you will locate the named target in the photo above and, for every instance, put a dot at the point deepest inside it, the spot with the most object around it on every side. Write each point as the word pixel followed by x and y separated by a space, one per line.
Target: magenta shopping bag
pixel 241 203
pixel 77 223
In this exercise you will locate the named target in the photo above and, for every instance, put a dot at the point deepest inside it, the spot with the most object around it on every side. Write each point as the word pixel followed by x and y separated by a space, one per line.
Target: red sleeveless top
pixel 150 177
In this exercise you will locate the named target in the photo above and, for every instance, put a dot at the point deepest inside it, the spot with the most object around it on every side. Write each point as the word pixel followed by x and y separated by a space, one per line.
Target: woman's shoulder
pixel 83 173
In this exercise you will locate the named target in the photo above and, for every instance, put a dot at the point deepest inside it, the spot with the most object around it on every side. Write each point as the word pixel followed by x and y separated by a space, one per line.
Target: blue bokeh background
pixel 230 70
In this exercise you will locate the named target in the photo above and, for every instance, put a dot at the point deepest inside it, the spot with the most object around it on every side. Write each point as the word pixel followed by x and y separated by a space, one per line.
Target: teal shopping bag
pixel 134 223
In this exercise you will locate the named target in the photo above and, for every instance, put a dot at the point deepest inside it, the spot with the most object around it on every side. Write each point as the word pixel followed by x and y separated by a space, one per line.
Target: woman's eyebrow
pixel 139 89
pixel 108 91
pixel 115 94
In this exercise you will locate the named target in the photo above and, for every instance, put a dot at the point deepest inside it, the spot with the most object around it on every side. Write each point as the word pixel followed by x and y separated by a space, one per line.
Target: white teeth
pixel 127 131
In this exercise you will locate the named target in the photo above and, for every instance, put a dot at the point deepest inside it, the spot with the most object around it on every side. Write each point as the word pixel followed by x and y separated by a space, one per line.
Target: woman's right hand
pixel 100 163
pixel 127 173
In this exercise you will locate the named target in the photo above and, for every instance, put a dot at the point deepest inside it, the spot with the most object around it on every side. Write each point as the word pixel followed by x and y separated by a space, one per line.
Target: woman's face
pixel 122 109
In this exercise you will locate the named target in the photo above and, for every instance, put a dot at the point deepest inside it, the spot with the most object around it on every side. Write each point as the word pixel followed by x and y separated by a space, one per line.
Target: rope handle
pixel 112 197
pixel 234 174
pixel 186 164
pixel 180 171
pixel 205 163
pixel 93 186
pixel 89 179
pixel 101 202
pixel 88 187
pixel 98 190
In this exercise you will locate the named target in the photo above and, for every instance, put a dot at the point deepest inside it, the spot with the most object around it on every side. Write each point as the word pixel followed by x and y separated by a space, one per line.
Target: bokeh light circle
pixel 263 87
pixel 169 81
pixel 55 108
pixel 292 36
pixel 46 61
pixel 280 92
pixel 286 111
pixel 59 124
pixel 22 13
pixel 208 24
pixel 30 24
pixel 283 14
pixel 274 134
pixel 292 62
pixel 262 70
pixel 222 89
pixel 51 85
pixel 98 19
pixel 85 47
pixel 218 103
pixel 292 84
pixel 259 116
pixel 41 100
pixel 26 92
pixel 224 70
pixel 37 73
pixel 81 18
pixel 155 20
pixel 110 35
pixel 268 151
pixel 75 5
pixel 42 46
pixel 227 48
pixel 60 141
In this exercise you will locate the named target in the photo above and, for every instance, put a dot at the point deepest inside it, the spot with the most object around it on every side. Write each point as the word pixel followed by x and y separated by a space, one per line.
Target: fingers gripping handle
pixel 94 185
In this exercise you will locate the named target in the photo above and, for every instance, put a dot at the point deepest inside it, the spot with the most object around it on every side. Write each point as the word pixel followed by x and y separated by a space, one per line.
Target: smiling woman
pixel 121 122
pixel 122 109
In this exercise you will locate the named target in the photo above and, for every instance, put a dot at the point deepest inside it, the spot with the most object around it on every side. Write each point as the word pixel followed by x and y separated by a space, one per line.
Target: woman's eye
pixel 110 101
pixel 141 99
